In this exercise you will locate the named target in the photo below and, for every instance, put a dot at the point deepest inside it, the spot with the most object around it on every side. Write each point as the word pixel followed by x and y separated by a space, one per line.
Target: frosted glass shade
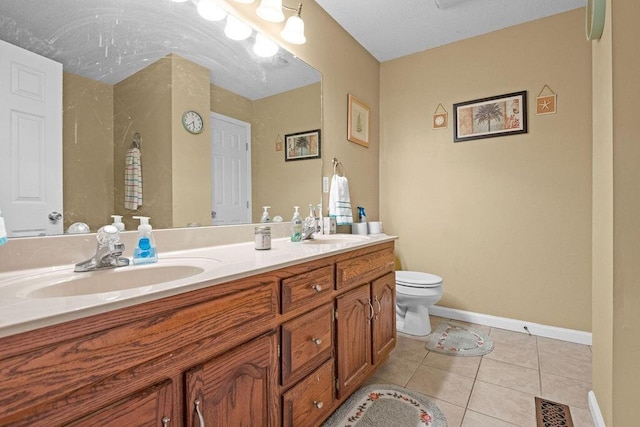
pixel 236 29
pixel 264 47
pixel 293 31
pixel 270 10
pixel 210 11
pixel 244 1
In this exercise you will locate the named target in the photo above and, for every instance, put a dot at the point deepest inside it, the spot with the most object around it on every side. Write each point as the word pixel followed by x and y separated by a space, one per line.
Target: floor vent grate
pixel 552 414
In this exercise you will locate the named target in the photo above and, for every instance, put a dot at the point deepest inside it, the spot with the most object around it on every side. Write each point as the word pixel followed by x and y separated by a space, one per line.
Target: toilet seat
pixel 417 279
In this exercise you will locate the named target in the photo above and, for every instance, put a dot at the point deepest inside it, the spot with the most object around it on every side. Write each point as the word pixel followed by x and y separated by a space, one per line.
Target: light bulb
pixel 293 31
pixel 210 11
pixel 236 29
pixel 264 47
pixel 270 10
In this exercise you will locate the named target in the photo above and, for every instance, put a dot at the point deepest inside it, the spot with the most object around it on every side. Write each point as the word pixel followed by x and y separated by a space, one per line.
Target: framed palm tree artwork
pixel 302 145
pixel 500 115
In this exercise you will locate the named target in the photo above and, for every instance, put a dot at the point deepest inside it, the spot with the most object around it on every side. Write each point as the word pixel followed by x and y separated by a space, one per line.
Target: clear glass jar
pixel 262 236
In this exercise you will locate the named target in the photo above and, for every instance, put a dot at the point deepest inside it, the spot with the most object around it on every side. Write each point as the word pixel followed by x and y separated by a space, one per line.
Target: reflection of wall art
pixel 500 115
pixel 302 145
pixel 358 122
pixel 440 118
pixel 546 101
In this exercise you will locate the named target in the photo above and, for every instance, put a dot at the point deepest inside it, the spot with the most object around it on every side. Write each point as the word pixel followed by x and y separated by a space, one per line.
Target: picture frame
pixel 302 145
pixel 358 121
pixel 490 117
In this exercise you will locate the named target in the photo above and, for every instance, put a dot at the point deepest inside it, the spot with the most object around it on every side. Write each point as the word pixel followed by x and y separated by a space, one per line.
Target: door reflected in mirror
pixel 137 67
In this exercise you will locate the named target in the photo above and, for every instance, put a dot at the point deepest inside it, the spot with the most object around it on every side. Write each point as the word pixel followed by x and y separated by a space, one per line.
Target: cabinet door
pixel 354 338
pixel 383 295
pixel 150 407
pixel 238 388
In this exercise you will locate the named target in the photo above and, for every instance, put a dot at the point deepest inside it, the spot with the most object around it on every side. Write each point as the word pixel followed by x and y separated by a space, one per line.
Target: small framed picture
pixel 358 121
pixel 302 145
pixel 500 115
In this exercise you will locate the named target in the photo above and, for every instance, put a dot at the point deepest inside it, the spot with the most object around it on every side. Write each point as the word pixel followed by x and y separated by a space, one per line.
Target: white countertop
pixel 21 313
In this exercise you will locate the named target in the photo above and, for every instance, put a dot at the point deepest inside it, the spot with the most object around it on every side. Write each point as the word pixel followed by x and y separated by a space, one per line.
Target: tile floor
pixel 497 389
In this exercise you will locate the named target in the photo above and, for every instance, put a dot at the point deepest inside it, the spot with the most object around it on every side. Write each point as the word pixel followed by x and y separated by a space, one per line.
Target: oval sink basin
pixel 70 284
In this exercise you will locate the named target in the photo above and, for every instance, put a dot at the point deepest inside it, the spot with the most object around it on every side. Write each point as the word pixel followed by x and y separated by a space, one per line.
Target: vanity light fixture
pixel 244 1
pixel 271 10
pixel 210 11
pixel 264 47
pixel 236 29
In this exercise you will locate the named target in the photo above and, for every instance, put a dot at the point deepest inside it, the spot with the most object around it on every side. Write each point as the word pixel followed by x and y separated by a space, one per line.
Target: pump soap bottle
pixel 265 214
pixel 296 225
pixel 117 222
pixel 145 251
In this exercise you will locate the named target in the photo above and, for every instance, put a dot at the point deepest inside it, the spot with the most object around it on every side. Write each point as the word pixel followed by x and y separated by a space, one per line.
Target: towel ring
pixel 137 141
pixel 337 163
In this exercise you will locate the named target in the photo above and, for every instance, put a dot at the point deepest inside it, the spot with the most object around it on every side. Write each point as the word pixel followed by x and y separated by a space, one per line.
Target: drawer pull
pixel 165 421
pixel 200 417
pixel 316 341
pixel 318 404
pixel 317 288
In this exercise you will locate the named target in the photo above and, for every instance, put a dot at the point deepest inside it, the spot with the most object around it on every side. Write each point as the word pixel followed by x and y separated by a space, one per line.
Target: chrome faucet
pixel 311 224
pixel 108 253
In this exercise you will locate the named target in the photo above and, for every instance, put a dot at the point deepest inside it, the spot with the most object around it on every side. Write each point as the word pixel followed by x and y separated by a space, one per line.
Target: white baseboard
pixel 598 421
pixel 570 335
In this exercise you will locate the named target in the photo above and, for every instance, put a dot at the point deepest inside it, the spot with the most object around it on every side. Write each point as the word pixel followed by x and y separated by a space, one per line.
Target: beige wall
pixel 616 154
pixel 87 151
pixel 505 221
pixel 142 103
pixel 275 182
pixel 190 154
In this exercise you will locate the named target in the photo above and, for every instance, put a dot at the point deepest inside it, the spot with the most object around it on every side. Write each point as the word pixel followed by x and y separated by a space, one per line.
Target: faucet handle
pixel 108 234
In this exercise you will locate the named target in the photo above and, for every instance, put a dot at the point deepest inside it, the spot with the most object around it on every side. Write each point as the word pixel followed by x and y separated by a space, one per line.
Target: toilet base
pixel 414 322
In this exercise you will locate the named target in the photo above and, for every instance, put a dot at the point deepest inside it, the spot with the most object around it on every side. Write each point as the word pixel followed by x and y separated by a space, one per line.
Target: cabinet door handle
pixel 165 421
pixel 318 404
pixel 375 298
pixel 200 417
pixel 317 288
pixel 316 341
pixel 371 309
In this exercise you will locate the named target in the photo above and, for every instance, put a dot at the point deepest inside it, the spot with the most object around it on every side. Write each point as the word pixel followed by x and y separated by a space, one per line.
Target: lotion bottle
pixel 265 214
pixel 145 250
pixel 3 231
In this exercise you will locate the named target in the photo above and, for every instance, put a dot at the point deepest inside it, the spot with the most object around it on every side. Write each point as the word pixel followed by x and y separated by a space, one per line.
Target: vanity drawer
pixel 306 342
pixel 305 288
pixel 311 400
pixel 364 268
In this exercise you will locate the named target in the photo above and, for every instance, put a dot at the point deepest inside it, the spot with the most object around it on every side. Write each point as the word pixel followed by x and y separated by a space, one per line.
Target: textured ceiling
pixel 389 29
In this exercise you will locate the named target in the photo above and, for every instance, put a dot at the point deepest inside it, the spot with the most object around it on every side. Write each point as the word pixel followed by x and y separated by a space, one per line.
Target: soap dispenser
pixel 145 250
pixel 265 214
pixel 117 222
pixel 296 225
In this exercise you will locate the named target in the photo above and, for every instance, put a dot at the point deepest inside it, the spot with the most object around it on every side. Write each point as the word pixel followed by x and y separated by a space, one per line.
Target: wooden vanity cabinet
pixel 265 350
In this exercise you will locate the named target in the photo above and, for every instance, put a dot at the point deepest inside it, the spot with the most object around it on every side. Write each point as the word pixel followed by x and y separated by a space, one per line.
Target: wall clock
pixel 594 18
pixel 192 122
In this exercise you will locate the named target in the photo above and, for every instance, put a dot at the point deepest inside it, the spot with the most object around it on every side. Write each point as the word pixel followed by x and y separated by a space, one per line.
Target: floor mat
pixel 457 339
pixel 386 405
pixel 552 414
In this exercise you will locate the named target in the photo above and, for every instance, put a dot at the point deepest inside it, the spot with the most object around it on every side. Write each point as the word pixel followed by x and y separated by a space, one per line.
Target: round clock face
pixel 594 18
pixel 192 122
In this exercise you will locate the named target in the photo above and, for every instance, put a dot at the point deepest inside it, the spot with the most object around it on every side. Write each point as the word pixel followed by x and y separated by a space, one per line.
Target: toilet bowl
pixel 415 293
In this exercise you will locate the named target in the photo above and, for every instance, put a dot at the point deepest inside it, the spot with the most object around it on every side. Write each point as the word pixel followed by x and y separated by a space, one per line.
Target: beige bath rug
pixel 456 339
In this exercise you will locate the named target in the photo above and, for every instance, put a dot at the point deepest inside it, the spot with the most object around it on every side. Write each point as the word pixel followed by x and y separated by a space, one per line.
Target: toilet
pixel 415 293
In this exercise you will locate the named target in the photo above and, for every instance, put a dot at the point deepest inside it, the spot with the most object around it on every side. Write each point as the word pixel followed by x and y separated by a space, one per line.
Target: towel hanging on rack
pixel 133 179
pixel 340 201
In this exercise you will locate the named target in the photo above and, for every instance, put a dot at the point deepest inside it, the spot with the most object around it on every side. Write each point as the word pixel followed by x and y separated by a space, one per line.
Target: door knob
pixel 55 216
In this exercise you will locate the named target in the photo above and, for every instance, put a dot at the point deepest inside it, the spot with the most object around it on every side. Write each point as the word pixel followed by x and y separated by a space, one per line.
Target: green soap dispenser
pixel 296 225
pixel 145 250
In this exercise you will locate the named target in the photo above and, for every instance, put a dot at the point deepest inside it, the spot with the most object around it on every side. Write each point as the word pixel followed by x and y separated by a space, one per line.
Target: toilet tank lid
pixel 417 278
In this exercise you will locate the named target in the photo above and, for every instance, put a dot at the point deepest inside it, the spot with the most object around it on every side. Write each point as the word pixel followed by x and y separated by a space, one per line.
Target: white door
pixel 30 142
pixel 230 170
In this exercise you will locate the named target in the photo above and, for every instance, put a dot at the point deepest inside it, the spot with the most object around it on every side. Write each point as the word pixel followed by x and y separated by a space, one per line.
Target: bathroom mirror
pixel 131 69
